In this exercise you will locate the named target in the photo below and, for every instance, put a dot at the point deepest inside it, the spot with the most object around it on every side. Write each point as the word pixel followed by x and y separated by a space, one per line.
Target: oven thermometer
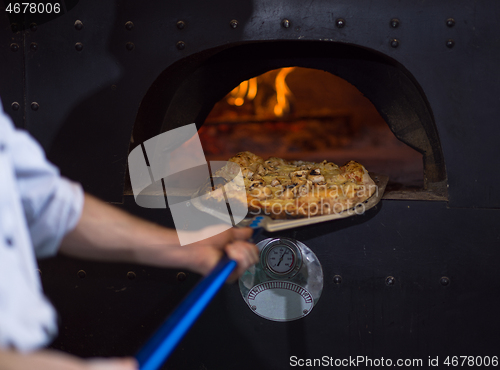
pixel 286 283
pixel 282 258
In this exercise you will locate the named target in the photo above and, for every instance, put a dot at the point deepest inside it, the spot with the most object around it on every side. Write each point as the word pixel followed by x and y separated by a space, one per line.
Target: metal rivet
pixel 131 275
pixel 79 46
pixel 337 279
pixel 450 43
pixel 450 22
pixel 181 25
pixel 394 23
pixel 129 46
pixel 390 280
pixel 394 43
pixel 233 23
pixel 33 27
pixel 78 25
pixel 340 22
pixel 15 106
pixel 129 25
pixel 285 23
pixel 444 281
pixel 81 274
pixel 181 45
pixel 14 47
pixel 181 276
pixel 305 311
pixel 254 308
pixel 33 46
pixel 35 106
pixel 14 27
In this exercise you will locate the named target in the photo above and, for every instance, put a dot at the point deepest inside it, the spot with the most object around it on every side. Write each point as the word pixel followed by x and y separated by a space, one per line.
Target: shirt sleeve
pixel 52 204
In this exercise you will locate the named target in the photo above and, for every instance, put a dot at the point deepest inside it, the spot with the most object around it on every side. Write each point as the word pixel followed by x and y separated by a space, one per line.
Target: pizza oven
pixel 413 278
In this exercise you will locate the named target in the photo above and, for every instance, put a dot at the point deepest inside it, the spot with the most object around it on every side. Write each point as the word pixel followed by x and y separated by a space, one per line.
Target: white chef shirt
pixel 37 208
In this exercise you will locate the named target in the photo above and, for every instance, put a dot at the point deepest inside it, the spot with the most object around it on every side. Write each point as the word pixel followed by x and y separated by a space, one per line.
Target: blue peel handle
pixel 159 347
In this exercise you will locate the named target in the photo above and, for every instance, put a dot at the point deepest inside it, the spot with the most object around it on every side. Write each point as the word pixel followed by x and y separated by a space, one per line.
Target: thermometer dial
pixel 281 258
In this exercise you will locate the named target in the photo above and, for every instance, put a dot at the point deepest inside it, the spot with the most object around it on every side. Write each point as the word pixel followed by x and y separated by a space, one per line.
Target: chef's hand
pixel 207 252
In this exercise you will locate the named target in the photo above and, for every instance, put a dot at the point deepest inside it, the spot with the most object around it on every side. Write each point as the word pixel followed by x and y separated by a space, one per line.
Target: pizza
pixel 285 189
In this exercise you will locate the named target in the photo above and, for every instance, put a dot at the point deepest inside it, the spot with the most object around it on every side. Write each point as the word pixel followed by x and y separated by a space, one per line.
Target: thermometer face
pixel 281 259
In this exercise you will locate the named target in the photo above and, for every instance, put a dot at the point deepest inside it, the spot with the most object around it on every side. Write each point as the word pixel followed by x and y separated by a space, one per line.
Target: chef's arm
pixel 54 360
pixel 107 233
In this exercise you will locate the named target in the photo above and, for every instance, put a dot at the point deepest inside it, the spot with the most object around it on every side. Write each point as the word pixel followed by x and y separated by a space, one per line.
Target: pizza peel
pixel 268 224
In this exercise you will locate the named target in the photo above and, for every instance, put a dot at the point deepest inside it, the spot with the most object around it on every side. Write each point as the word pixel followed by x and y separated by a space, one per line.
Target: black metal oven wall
pixel 84 81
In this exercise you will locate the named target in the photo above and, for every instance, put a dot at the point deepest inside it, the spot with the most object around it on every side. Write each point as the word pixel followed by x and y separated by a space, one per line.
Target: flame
pixel 252 88
pixel 282 92
pixel 247 90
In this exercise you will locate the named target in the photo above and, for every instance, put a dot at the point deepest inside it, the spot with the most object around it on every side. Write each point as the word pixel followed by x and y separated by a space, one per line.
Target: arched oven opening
pixel 196 90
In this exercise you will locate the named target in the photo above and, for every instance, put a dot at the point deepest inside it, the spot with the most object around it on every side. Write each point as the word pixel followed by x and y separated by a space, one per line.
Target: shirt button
pixel 2 147
pixel 9 242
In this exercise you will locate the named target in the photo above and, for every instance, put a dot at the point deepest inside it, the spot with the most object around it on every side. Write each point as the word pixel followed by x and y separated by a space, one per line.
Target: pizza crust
pixel 285 189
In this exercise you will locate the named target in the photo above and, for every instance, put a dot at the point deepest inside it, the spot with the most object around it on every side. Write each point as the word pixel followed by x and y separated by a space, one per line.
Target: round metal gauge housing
pixel 281 258
pixel 287 282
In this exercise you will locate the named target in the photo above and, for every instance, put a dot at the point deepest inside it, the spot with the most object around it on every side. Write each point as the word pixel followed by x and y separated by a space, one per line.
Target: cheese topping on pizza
pixel 293 189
